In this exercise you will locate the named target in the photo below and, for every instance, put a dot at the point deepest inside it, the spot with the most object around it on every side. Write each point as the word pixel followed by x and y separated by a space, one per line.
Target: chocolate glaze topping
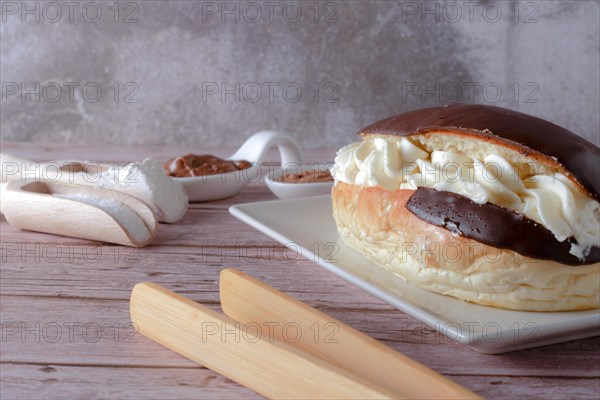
pixel 493 225
pixel 575 153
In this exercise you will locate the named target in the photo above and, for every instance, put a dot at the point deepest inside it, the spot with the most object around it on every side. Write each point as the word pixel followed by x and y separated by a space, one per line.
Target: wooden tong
pixel 267 342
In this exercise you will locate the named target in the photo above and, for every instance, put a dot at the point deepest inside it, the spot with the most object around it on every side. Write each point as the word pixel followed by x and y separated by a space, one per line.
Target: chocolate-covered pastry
pixel 478 202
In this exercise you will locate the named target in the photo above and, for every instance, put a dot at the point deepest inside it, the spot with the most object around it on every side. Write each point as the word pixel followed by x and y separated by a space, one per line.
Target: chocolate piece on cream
pixel 493 225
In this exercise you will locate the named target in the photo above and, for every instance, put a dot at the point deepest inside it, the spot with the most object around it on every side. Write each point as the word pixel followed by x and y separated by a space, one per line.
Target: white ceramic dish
pixel 285 190
pixel 213 187
pixel 300 223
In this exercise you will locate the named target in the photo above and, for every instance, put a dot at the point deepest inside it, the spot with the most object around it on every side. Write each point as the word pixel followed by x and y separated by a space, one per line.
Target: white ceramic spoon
pixel 213 187
pixel 79 211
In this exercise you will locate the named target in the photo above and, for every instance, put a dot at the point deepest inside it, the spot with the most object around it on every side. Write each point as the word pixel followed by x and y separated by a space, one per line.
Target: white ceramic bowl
pixel 285 190
pixel 219 186
pixel 214 187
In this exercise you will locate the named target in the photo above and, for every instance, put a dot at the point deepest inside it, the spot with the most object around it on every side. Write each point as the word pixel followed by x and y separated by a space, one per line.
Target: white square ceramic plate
pixel 306 225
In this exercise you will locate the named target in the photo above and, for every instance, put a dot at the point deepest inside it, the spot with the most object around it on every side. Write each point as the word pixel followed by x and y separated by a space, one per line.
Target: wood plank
pixel 88 336
pixel 37 381
pixel 111 272
pixel 542 388
pixel 52 381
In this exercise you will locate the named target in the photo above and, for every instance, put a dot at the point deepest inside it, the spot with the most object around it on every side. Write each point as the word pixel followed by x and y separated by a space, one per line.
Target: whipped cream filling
pixel 551 200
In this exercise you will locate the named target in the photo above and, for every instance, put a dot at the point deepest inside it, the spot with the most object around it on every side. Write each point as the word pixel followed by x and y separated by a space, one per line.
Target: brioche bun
pixel 376 223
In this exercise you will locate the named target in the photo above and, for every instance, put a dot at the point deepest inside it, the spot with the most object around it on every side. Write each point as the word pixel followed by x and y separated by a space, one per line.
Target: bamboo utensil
pixel 248 300
pixel 79 211
pixel 252 345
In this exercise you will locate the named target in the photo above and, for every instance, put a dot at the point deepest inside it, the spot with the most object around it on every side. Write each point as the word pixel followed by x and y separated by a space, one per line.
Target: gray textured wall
pixel 162 67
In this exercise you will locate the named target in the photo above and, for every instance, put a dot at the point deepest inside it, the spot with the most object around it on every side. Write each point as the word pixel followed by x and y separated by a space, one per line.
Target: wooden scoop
pixel 79 211
pixel 145 180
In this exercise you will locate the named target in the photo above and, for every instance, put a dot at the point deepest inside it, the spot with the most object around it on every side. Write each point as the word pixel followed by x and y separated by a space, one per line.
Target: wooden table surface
pixel 66 331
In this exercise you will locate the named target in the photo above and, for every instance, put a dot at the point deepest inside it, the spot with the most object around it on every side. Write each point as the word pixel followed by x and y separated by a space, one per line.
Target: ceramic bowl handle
pixel 256 146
